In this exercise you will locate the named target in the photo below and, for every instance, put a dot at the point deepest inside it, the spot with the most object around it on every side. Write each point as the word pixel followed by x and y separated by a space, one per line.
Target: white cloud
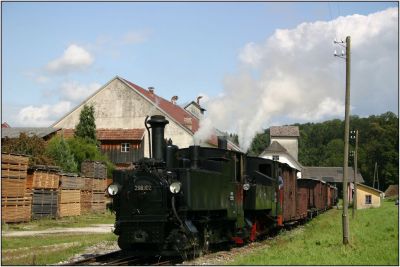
pixel 74 58
pixel 300 80
pixel 74 91
pixel 42 116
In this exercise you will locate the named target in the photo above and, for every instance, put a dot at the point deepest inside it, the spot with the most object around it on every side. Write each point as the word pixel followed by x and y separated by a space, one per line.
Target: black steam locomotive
pixel 181 201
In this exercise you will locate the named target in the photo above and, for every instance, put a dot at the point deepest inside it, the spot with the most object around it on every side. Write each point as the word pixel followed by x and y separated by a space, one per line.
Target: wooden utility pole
pixel 375 175
pixel 345 217
pixel 355 176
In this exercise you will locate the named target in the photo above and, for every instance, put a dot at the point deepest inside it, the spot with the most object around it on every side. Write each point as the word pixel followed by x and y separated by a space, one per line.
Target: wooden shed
pixel 368 197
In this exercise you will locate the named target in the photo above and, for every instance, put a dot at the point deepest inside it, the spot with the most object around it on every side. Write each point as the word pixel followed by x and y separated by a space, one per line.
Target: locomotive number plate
pixel 143 187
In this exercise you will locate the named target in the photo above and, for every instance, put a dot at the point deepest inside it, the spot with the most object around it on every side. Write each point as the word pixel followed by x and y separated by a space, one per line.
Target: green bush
pixel 59 150
pixel 84 149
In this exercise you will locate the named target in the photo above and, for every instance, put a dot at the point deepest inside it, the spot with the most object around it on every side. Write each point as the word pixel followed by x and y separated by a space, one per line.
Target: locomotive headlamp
pixel 175 187
pixel 113 189
pixel 246 186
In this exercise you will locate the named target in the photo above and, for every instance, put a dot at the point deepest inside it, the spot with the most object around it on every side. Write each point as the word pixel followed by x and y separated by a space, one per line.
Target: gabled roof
pixel 392 190
pixel 183 117
pixel 120 134
pixel 284 131
pixel 175 111
pixel 275 147
pixel 14 132
pixel 5 125
pixel 111 134
pixel 371 188
pixel 329 174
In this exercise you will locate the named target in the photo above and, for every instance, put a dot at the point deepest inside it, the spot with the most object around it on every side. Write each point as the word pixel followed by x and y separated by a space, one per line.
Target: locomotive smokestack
pixel 222 142
pixel 158 123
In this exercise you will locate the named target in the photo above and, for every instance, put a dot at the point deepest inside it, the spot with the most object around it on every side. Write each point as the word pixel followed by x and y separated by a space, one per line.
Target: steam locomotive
pixel 182 201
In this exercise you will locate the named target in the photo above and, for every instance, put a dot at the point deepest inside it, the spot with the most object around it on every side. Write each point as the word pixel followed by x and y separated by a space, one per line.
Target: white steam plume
pixel 293 76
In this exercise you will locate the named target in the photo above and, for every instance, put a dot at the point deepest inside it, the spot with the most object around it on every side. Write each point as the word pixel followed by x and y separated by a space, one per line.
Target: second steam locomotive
pixel 182 201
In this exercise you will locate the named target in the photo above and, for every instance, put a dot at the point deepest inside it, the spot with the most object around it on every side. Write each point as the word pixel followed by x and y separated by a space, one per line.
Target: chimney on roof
pixel 187 122
pixel 174 99
pixel 198 99
pixel 151 90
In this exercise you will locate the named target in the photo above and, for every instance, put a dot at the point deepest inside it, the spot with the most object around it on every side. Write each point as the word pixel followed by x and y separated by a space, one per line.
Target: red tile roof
pixel 110 134
pixel 174 111
pixel 120 134
pixel 5 125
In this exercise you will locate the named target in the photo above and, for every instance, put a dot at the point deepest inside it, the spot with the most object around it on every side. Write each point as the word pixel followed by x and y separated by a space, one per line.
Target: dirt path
pixel 98 228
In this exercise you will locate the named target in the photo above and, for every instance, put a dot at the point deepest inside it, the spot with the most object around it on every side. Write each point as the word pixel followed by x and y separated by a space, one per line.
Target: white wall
pixel 290 143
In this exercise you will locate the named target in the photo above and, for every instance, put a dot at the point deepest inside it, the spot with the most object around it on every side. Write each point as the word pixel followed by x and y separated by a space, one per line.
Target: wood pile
pixel 95 184
pixel 44 182
pixel 44 203
pixel 69 202
pixel 43 177
pixel 94 169
pixel 43 191
pixel 15 199
pixel 71 181
pixel 86 201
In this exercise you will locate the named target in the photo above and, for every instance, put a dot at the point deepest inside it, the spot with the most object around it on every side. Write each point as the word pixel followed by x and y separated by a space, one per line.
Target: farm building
pixel 277 152
pixel 333 175
pixel 43 132
pixel 367 197
pixel 121 108
pixel 284 142
pixel 392 191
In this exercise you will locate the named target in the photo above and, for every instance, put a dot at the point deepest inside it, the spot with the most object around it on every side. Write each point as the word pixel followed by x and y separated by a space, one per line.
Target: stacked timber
pixel 70 195
pixel 69 202
pixel 95 183
pixel 44 182
pixel 43 177
pixel 15 199
pixel 94 169
pixel 44 203
pixel 86 201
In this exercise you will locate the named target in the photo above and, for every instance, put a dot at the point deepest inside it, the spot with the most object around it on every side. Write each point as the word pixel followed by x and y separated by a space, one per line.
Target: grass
pixel 373 241
pixel 46 249
pixel 73 221
pixel 54 248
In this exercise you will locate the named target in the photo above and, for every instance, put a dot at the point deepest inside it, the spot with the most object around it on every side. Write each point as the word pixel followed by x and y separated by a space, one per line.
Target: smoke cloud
pixel 294 77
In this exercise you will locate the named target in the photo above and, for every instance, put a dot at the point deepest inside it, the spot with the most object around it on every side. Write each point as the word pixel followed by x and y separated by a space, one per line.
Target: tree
pixel 86 128
pixel 59 150
pixel 33 146
pixel 84 150
pixel 260 142
pixel 321 144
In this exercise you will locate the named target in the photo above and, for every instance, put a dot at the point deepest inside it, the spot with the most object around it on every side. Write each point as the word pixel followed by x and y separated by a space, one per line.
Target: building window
pixel 275 157
pixel 125 147
pixel 368 199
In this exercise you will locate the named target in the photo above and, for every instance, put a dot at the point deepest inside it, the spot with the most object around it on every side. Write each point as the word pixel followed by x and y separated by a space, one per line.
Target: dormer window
pixel 275 157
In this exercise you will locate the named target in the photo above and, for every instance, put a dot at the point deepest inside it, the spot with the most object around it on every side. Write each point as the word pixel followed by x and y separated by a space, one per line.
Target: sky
pixel 255 64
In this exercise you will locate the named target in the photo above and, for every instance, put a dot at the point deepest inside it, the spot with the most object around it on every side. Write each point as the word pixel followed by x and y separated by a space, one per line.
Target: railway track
pixel 122 258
